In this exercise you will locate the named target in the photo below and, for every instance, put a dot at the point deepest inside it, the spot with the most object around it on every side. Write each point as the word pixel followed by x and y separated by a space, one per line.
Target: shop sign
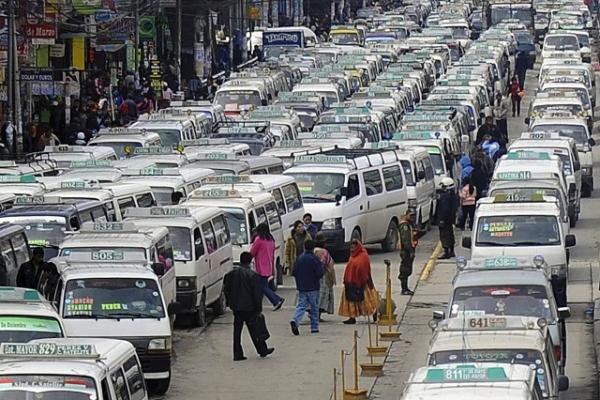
pixel 41 33
pixel 87 7
pixel 38 75
pixel 57 50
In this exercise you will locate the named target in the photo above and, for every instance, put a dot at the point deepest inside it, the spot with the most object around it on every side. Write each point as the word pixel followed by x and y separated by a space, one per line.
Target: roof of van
pixel 125 137
pixel 37 309
pixel 48 209
pixel 243 199
pixel 125 188
pixel 242 163
pixel 90 270
pixel 109 350
pixel 143 217
pixel 501 277
pixel 142 236
pixel 511 208
pixel 72 153
pixel 100 174
pixel 496 339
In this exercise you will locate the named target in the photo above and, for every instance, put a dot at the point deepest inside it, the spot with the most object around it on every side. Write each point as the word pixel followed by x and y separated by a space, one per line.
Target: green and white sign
pixel 465 374
pixel 32 324
pixel 48 350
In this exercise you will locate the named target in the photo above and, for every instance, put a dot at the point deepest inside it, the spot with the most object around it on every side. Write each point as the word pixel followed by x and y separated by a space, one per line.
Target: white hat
pixel 447 183
pixel 81 136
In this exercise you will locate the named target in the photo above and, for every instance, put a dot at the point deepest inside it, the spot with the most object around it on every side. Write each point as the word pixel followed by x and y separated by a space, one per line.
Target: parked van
pixel 39 166
pixel 202 254
pixel 125 140
pixel 353 194
pixel 64 155
pixel 76 368
pixel 171 131
pixel 224 163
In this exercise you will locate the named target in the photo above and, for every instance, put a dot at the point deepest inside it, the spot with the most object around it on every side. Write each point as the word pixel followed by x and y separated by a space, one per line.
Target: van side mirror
pixel 576 165
pixel 158 268
pixel 570 240
pixel 264 102
pixel 420 175
pixel 563 383
pixel 527 121
pixel 174 308
pixel 338 198
pixel 465 138
pixel 466 242
pixel 439 315
pixel 591 142
pixel 564 312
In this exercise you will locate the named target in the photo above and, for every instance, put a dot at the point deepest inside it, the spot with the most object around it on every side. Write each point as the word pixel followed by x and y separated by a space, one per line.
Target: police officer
pixel 408 244
pixel 447 205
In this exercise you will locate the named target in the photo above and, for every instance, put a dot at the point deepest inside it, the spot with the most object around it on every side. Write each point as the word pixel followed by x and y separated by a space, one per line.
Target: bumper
pixel 155 364
pixel 188 300
pixel 335 239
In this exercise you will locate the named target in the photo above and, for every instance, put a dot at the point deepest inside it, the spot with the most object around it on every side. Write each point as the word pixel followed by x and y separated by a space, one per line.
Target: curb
pixel 431 263
pixel 597 334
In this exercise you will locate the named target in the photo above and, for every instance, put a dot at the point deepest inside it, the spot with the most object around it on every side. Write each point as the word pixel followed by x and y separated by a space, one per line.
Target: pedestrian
pixel 488 128
pixel 447 205
pixel 308 271
pixel 209 90
pixel 263 251
pixel 167 92
pixel 479 179
pixel 244 297
pixel 257 53
pixel 294 246
pixel 521 66
pixel 501 113
pixel 515 96
pixel 195 87
pixel 359 296
pixel 408 246
pixel 308 225
pixel 468 199
pixel 466 167
pixel 326 299
pixel 26 277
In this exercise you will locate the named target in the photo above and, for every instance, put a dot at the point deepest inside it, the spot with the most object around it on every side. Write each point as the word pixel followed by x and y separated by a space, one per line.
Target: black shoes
pixel 407 292
pixel 278 305
pixel 242 358
pixel 294 327
pixel 448 253
pixel 270 350
pixel 350 321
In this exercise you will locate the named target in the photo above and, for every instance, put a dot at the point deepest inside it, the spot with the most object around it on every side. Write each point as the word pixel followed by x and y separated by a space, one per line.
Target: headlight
pixel 186 283
pixel 160 344
pixel 332 223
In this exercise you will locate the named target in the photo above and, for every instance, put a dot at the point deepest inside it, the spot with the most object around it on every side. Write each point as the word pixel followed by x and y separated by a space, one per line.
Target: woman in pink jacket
pixel 263 251
pixel 468 198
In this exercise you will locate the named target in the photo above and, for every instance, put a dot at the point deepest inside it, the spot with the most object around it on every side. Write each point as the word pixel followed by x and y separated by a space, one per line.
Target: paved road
pixel 302 367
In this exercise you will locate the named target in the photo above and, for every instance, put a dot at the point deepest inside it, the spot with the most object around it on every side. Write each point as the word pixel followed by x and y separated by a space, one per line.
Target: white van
pixel 243 212
pixel 124 140
pixel 78 368
pixel 353 194
pixel 284 189
pixel 202 253
pixel 171 132
pixel 120 301
pixel 64 155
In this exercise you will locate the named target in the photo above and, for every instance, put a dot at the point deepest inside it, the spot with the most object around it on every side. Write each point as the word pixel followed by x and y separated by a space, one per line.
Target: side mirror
pixel 564 312
pixel 158 268
pixel 439 315
pixel 481 115
pixel 570 240
pixel 420 175
pixel 591 142
pixel 527 120
pixel 466 242
pixel 563 383
pixel 338 198
pixel 576 165
pixel 264 102
pixel 465 138
pixel 174 308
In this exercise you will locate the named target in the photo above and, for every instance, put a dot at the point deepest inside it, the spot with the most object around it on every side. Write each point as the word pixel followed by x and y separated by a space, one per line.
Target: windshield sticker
pixel 140 284
pixel 305 186
pixel 499 229
pixel 113 307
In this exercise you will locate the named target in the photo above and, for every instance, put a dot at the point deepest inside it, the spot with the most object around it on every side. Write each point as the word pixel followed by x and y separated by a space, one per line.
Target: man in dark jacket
pixel 521 66
pixel 244 296
pixel 488 128
pixel 308 271
pixel 447 205
pixel 26 277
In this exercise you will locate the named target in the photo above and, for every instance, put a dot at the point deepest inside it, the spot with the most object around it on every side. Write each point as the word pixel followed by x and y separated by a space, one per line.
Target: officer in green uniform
pixel 408 244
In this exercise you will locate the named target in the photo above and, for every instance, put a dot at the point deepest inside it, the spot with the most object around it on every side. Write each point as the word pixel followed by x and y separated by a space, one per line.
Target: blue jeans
pixel 271 295
pixel 305 300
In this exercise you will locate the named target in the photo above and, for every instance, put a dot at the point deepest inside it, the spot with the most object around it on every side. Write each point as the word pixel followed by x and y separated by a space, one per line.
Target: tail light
pixel 557 353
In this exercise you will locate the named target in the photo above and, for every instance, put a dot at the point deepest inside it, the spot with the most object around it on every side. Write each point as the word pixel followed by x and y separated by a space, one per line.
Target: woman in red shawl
pixel 359 296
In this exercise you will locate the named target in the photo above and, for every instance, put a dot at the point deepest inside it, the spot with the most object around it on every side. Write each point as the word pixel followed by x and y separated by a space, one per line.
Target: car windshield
pixel 523 38
pixel 319 187
pixel 236 222
pixel 112 298
pixel 182 243
pixel 508 356
pixel 232 99
pixel 561 42
pixel 163 196
pixel 330 97
pixel 47 387
pixel 119 147
pixel 523 300
pixel 576 132
pixel 41 231
pixel 22 329
pixel 460 33
pixel 549 109
pixel 518 230
pixel 437 161
pixel 103 253
pixel 344 38
pixel 168 137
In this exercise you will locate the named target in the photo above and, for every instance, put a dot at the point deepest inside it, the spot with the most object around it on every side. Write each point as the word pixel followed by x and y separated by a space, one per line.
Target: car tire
pixel 200 314
pixel 390 242
pixel 158 387
pixel 219 307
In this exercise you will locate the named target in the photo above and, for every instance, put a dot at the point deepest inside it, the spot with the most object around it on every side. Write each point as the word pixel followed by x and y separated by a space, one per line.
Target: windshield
pixel 319 187
pixel 22 329
pixel 41 231
pixel 232 99
pixel 508 356
pixel 344 38
pixel 330 97
pixel 572 109
pixel 523 38
pixel 168 137
pixel 460 33
pixel 500 13
pixel 182 243
pixel 576 132
pixel 104 253
pixel 437 161
pixel 561 42
pixel 236 221
pixel 119 147
pixel 47 387
pixel 408 174
pixel 112 298
pixel 523 300
pixel 518 230
pixel 163 196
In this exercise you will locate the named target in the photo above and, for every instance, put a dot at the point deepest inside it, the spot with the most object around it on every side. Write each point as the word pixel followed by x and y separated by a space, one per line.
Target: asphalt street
pixel 302 367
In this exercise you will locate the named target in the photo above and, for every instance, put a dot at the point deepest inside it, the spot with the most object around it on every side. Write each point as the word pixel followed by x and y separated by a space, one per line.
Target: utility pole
pixel 178 48
pixel 136 50
pixel 14 115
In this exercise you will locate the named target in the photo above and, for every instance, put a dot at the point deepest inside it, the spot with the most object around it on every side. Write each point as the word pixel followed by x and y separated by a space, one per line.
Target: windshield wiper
pixel 489 244
pixel 528 243
pixel 315 198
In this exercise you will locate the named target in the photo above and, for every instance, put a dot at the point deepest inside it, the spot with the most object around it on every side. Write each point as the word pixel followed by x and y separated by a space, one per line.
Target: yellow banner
pixel 78 51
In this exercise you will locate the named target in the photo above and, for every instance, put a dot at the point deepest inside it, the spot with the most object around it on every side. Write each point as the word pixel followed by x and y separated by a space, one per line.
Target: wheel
pixel 356 235
pixel 390 243
pixel 159 386
pixel 219 307
pixel 200 314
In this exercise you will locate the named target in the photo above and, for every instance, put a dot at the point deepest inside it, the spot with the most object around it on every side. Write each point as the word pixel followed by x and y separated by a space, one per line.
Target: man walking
pixel 28 272
pixel 447 205
pixel 308 271
pixel 244 296
pixel 521 66
pixel 408 244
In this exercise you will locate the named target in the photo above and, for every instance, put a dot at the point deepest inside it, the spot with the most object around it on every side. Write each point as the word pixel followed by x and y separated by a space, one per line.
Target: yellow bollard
pixel 390 319
pixel 371 369
pixel 355 393
pixel 377 350
pixel 334 384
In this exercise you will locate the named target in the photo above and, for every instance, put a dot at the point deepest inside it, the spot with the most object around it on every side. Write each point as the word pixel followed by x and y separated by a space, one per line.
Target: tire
pixel 199 317
pixel 390 243
pixel 219 307
pixel 356 235
pixel 159 387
